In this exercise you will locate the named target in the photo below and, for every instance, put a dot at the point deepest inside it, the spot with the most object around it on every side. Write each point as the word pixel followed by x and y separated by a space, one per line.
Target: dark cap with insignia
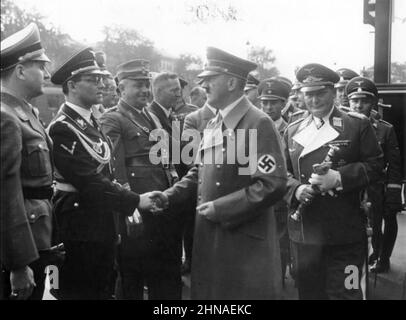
pixel 345 76
pixel 273 89
pixel 135 70
pixel 183 82
pixel 315 77
pixel 24 45
pixel 360 87
pixel 81 63
pixel 252 83
pixel 221 62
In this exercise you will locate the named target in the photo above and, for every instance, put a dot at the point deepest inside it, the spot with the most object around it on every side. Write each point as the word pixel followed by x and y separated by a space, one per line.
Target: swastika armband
pixel 266 164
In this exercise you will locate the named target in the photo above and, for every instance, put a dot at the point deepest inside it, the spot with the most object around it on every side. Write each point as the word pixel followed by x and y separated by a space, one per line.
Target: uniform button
pixel 218 166
pixel 217 184
pixel 302 176
pixel 138 134
pixel 114 158
pixel 201 164
pixel 32 216
pixel 200 180
pixel 224 149
pixel 132 174
pixel 76 204
pixel 114 169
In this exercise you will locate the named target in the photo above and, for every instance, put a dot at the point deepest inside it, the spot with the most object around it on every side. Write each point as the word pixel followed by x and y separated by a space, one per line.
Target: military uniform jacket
pixel 35 169
pixel 393 174
pixel 130 132
pixel 87 197
pixel 332 220
pixel 17 246
pixel 237 256
pixel 197 120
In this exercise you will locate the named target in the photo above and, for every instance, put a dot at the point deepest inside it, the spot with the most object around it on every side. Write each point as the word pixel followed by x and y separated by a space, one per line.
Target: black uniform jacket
pixel 86 212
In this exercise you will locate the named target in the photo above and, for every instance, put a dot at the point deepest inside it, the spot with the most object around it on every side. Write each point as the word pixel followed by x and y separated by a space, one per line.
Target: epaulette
pixel 111 109
pixel 297 112
pixel 344 109
pixel 385 123
pixel 357 115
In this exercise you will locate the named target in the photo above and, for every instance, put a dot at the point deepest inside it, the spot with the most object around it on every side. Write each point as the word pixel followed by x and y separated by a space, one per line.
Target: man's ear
pixel 19 71
pixel 71 85
pixel 232 83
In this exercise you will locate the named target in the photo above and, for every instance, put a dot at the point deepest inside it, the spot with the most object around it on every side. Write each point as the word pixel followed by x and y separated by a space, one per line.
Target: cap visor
pixel 360 94
pixel 41 57
pixel 208 73
pixel 138 78
pixel 312 88
pixel 271 98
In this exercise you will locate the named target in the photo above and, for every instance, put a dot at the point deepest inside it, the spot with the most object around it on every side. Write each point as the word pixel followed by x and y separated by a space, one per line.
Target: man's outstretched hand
pixel 154 201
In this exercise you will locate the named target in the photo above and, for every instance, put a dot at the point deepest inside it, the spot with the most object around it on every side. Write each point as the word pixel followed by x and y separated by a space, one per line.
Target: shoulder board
pixel 298 112
pixel 295 122
pixel 60 118
pixel 356 115
pixel 385 123
pixel 111 109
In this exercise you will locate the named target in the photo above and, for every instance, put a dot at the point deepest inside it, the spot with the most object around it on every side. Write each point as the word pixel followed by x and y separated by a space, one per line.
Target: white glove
pixel 329 181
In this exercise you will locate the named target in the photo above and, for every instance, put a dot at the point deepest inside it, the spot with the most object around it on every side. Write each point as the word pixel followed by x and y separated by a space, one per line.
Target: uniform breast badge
pixel 71 150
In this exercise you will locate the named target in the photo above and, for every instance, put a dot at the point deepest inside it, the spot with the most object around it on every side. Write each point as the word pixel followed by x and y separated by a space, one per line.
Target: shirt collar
pixel 132 108
pixel 278 122
pixel 214 110
pixel 224 112
pixel 84 113
pixel 166 111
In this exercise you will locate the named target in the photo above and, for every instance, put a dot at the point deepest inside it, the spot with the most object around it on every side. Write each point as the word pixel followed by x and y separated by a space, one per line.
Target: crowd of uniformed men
pixel 84 194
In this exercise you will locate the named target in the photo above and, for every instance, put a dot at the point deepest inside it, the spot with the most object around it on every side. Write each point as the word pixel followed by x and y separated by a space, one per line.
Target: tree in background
pixel 59 46
pixel 265 59
pixel 398 72
pixel 122 44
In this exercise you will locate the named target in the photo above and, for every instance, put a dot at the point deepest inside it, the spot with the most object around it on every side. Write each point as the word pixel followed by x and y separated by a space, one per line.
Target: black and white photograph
pixel 187 151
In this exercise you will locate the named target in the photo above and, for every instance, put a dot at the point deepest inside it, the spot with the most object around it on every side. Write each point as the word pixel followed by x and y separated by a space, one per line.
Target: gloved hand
pixel 329 181
pixel 393 200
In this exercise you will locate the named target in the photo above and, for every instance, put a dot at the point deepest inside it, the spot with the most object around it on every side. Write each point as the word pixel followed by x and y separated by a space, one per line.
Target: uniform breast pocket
pixel 38 161
pixel 39 216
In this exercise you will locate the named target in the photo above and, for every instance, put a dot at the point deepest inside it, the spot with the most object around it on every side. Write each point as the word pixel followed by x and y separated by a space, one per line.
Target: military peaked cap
pixel 24 45
pixel 82 62
pixel 360 87
pixel 135 69
pixel 221 62
pixel 345 76
pixel 315 77
pixel 273 89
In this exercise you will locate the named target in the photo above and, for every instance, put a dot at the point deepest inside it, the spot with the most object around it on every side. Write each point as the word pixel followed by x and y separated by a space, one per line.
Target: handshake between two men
pixel 157 201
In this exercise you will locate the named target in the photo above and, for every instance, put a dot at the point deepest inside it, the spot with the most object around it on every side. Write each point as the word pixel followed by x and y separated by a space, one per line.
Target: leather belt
pixel 138 161
pixel 67 187
pixel 44 193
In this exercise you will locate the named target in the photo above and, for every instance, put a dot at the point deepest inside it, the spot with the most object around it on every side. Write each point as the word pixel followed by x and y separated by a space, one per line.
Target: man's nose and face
pixel 362 105
pixel 273 108
pixel 319 102
pixel 110 97
pixel 341 97
pixel 216 89
pixel 89 88
pixel 135 92
pixel 170 93
pixel 36 76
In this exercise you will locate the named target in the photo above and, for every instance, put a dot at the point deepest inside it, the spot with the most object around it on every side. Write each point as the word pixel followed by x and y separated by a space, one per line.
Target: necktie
pixel 319 122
